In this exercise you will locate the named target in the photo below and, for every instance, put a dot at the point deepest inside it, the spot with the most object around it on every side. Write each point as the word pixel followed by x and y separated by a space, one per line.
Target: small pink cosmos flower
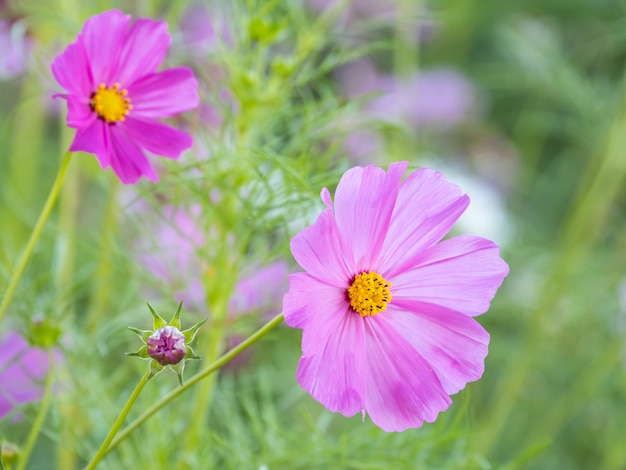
pixel 385 307
pixel 115 95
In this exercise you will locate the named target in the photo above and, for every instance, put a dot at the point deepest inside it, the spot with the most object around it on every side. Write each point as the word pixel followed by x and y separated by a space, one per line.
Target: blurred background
pixel 520 103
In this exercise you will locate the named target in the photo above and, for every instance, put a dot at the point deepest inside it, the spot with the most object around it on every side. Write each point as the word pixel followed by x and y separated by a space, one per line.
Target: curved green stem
pixel 118 422
pixel 41 414
pixel 43 217
pixel 197 378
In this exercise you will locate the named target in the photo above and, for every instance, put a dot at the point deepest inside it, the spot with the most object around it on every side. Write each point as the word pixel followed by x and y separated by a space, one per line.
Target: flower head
pixel 166 345
pixel 385 307
pixel 115 95
pixel 22 371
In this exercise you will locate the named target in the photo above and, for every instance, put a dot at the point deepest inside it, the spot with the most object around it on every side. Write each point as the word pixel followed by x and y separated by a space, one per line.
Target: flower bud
pixel 167 345
pixel 9 454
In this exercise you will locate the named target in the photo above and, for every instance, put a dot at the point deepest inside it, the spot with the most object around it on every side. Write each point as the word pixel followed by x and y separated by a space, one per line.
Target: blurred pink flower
pixel 15 48
pixel 363 145
pixel 385 308
pixel 173 257
pixel 360 9
pixel 203 29
pixel 170 253
pixel 196 26
pixel 432 99
pixel 115 95
pixel 23 369
pixel 416 19
pixel 261 291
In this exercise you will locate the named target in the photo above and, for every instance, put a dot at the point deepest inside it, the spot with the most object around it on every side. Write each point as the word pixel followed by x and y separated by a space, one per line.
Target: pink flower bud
pixel 167 345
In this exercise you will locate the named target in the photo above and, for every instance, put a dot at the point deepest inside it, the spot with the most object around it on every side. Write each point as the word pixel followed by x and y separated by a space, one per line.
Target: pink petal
pixel 461 273
pixel 144 49
pixel 165 93
pixel 71 69
pixel 317 249
pixel 426 209
pixel 402 389
pixel 315 307
pixel 94 139
pixel 158 138
pixel 103 38
pixel 79 115
pixel 325 197
pixel 335 374
pixel 364 202
pixel 454 344
pixel 127 159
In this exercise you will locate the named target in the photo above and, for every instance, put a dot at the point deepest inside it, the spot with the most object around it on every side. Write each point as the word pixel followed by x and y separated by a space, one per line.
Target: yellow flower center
pixel 369 293
pixel 111 103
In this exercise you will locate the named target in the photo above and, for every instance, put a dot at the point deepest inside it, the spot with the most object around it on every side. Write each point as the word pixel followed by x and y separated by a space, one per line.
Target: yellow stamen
pixel 111 103
pixel 369 294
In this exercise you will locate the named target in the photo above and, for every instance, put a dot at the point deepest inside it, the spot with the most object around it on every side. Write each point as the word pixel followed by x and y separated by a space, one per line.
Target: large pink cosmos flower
pixel 385 308
pixel 115 94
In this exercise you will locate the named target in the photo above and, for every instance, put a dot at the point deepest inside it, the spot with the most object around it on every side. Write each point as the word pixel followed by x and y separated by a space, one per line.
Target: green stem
pixel 204 395
pixel 43 217
pixel 41 414
pixel 218 293
pixel 118 422
pixel 405 48
pixel 102 293
pixel 197 378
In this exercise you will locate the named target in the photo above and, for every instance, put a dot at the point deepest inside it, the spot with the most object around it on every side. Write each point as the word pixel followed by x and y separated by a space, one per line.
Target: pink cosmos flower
pixel 23 369
pixel 385 308
pixel 115 93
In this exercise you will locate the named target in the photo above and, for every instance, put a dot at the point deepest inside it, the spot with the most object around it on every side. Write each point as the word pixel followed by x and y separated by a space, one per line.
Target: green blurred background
pixel 546 139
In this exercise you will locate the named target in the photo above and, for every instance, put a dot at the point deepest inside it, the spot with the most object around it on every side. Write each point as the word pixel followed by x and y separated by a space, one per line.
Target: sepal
pixel 141 352
pixel 191 354
pixel 155 368
pixel 175 321
pixel 190 333
pixel 158 321
pixel 179 369
pixel 143 334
